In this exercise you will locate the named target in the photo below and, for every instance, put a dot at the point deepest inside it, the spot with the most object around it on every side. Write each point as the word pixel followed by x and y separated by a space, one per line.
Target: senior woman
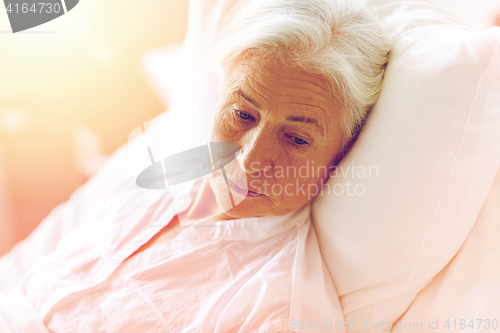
pixel 298 78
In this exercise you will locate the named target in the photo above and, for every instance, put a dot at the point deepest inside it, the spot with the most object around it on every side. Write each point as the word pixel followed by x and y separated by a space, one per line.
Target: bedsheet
pixel 18 316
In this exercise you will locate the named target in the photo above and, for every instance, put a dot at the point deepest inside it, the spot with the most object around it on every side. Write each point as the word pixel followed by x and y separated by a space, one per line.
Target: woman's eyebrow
pixel 306 120
pixel 298 119
pixel 239 91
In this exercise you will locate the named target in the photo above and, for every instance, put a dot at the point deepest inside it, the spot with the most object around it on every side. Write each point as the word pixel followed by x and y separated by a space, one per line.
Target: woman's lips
pixel 243 192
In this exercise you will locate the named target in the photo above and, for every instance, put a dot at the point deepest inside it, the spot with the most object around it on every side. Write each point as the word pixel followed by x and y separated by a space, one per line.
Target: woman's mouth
pixel 243 192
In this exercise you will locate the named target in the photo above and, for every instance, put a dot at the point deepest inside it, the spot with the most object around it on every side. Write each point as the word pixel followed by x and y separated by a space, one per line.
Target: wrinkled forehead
pixel 270 82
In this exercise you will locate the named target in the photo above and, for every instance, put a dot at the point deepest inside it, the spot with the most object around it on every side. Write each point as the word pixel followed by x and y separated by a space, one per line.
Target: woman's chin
pixel 238 203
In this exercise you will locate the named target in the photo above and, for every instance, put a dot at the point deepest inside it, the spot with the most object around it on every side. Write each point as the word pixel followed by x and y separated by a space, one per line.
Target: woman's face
pixel 288 129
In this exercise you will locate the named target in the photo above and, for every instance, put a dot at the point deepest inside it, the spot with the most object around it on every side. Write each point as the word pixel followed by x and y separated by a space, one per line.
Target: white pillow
pixel 434 137
pixel 467 289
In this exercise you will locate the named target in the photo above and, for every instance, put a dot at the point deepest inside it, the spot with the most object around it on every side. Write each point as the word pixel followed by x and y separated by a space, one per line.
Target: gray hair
pixel 341 40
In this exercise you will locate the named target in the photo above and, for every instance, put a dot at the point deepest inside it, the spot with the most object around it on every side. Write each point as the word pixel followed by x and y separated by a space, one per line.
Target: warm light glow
pixel 81 70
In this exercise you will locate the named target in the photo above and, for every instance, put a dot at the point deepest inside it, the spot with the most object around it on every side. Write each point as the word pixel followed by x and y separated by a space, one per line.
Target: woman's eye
pixel 243 115
pixel 299 141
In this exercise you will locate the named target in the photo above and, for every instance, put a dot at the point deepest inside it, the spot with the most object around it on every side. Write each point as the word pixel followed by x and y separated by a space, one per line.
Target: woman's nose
pixel 256 154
